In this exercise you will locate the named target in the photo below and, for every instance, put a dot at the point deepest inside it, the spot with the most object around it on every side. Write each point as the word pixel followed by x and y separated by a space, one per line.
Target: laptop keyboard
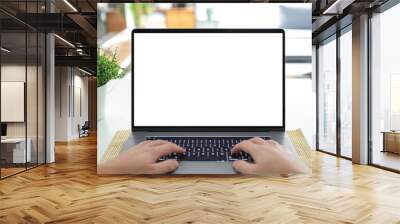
pixel 206 148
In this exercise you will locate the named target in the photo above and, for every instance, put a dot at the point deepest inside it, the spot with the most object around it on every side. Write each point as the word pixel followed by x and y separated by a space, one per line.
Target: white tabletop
pixel 13 140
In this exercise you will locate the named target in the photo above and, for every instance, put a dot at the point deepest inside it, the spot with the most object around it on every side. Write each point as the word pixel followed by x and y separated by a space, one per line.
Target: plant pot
pixel 101 98
pixel 103 93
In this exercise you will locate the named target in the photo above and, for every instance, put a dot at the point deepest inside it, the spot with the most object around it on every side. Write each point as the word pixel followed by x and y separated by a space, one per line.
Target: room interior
pixel 349 81
pixel 22 105
pixel 29 89
pixel 334 41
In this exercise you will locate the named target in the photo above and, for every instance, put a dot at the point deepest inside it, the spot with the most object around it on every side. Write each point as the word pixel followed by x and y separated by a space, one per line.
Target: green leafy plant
pixel 140 9
pixel 107 68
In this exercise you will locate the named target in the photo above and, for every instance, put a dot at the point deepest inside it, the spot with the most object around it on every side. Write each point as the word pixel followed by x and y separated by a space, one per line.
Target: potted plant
pixel 107 69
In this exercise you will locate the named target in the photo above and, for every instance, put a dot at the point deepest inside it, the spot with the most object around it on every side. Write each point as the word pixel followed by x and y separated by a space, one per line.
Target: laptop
pixel 206 90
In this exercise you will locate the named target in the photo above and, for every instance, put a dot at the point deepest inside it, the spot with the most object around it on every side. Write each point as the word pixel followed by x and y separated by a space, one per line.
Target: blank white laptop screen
pixel 208 79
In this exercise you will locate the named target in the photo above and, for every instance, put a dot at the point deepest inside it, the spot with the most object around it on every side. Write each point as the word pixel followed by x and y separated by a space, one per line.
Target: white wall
pixel 12 73
pixel 300 108
pixel 80 83
pixel 61 103
pixel 12 100
pixel 69 82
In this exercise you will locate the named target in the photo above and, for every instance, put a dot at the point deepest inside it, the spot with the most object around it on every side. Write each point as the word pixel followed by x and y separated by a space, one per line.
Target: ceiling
pixel 331 15
pixel 74 22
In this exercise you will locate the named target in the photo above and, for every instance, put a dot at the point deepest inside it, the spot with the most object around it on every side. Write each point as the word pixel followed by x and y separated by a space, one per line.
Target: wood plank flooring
pixel 387 159
pixel 69 191
pixel 10 171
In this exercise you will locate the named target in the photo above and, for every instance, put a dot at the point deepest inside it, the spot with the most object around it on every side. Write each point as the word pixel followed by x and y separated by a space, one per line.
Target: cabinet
pixel 391 142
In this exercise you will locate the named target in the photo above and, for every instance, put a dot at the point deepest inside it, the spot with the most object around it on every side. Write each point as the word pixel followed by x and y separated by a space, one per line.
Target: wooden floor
pixel 5 172
pixel 69 191
pixel 10 171
pixel 387 159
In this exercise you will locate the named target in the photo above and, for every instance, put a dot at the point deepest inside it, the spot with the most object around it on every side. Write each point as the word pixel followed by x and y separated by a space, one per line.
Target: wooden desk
pixel 216 198
pixel 301 147
pixel 70 191
pixel 391 142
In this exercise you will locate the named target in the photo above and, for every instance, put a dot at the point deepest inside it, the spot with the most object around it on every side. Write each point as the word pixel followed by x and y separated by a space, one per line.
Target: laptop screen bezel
pixel 208 128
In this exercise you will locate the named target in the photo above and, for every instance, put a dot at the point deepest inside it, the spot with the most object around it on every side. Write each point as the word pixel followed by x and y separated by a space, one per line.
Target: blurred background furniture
pixel 180 18
pixel 84 130
pixel 391 141
pixel 13 151
pixel 115 21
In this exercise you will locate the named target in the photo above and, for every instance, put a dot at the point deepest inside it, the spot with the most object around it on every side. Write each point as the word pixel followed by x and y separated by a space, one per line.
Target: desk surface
pixel 13 140
pixel 390 132
pixel 302 148
pixel 70 191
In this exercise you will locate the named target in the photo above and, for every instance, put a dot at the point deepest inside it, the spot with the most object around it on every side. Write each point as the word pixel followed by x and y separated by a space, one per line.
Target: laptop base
pixel 207 167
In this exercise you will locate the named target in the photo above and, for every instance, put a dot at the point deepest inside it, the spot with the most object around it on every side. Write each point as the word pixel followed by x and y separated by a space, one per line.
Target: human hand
pixel 142 159
pixel 269 158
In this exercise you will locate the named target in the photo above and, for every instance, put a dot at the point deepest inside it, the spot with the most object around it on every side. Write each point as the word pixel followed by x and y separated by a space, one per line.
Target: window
pixel 14 155
pixel 327 95
pixel 385 89
pixel 346 92
pixel 22 76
